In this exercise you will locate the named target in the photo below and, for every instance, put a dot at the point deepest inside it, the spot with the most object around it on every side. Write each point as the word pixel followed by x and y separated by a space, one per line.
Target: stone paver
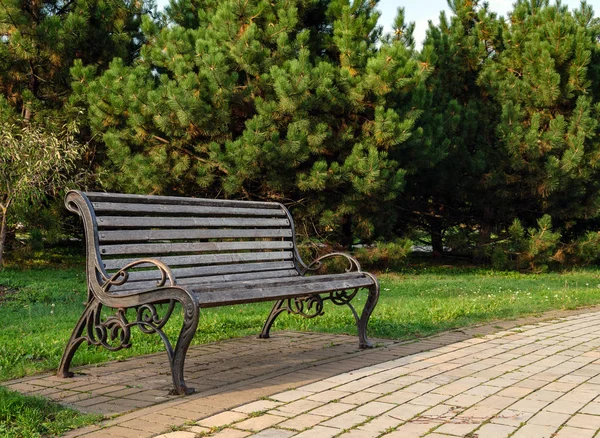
pixel 538 380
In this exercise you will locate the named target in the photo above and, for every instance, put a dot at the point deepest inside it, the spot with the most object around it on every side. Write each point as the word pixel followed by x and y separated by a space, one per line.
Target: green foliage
pixel 32 417
pixel 33 165
pixel 457 141
pixel 385 255
pixel 543 80
pixel 262 100
pixel 533 249
pixel 41 39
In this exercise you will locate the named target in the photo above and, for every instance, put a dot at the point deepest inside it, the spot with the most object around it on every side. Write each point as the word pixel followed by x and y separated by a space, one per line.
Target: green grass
pixel 38 316
pixel 32 417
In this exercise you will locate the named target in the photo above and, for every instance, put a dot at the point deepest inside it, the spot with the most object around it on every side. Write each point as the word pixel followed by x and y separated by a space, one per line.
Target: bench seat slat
pixel 204 259
pixel 115 207
pixel 262 276
pixel 187 222
pixel 190 234
pixel 169 248
pixel 269 293
pixel 175 200
pixel 200 271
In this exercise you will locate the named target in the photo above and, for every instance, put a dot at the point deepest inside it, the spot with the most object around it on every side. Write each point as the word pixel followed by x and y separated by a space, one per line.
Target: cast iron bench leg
pixel 275 311
pixel 363 341
pixel 188 330
pixel 76 339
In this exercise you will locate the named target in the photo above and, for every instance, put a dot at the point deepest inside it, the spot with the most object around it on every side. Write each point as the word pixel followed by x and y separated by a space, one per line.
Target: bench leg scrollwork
pixel 311 306
pixel 113 332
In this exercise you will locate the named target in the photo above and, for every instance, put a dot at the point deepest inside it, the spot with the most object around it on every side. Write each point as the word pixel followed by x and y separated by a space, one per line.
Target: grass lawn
pixel 39 308
pixel 24 417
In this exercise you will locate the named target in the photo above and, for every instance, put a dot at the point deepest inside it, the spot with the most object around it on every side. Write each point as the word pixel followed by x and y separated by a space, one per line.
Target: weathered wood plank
pixel 176 200
pixel 190 234
pixel 204 259
pixel 154 249
pixel 116 207
pixel 261 276
pixel 202 271
pixel 276 282
pixel 265 293
pixel 186 222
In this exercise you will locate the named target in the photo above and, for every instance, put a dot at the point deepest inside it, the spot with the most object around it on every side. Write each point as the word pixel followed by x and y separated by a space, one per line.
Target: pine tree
pixel 40 39
pixel 458 122
pixel 545 80
pixel 287 100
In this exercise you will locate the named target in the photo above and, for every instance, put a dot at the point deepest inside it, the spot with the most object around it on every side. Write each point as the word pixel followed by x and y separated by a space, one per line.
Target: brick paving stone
pixel 318 432
pixel 380 424
pixel 529 405
pixel 177 434
pixel 565 407
pixel 299 406
pixel 222 419
pixel 360 398
pixel 534 431
pixel 289 396
pixel 546 418
pixel 346 421
pixel 274 433
pixel 332 409
pixel 327 396
pixel 412 430
pixel 497 402
pixel 491 430
pixel 406 411
pixel 231 433
pixel 585 421
pixel 303 421
pixel 257 406
pixel 256 424
pixel 358 433
pixel 398 397
pixel 372 409
pixel 465 400
pixel 591 408
pixel 573 432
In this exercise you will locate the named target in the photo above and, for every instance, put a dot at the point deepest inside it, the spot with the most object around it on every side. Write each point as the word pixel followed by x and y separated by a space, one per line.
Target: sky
pixel 421 11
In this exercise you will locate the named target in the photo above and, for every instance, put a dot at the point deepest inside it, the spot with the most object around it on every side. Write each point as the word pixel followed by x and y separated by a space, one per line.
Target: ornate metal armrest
pixel 122 275
pixel 316 264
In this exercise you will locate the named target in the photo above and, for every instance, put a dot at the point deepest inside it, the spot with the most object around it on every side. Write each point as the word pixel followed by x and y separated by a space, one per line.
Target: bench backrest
pixel 201 240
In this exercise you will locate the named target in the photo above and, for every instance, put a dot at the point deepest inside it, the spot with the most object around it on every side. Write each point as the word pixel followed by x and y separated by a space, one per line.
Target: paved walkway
pixel 538 380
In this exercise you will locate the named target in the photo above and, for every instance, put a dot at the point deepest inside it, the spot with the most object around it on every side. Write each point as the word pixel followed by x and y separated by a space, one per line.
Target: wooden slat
pixel 205 259
pixel 262 276
pixel 264 293
pixel 175 200
pixel 190 234
pixel 201 271
pixel 187 222
pixel 154 249
pixel 276 282
pixel 115 207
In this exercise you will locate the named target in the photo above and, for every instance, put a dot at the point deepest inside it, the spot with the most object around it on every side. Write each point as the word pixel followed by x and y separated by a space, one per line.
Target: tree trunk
pixel 437 242
pixel 346 240
pixel 3 230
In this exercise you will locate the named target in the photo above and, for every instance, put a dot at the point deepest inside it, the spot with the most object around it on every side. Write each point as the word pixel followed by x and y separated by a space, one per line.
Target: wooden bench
pixel 147 253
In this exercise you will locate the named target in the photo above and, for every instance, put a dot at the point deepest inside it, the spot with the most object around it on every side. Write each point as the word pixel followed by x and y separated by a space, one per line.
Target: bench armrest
pixel 122 275
pixel 353 264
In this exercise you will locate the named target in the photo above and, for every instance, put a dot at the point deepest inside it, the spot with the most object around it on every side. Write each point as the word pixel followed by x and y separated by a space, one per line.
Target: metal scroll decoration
pixel 122 275
pixel 114 331
pixel 316 264
pixel 309 307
